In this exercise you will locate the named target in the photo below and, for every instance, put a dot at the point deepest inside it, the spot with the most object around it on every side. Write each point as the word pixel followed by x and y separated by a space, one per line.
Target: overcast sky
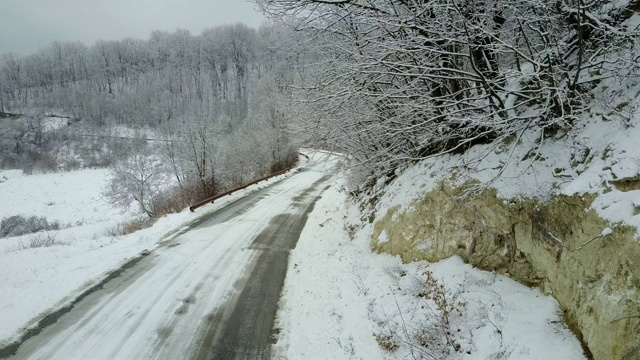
pixel 27 25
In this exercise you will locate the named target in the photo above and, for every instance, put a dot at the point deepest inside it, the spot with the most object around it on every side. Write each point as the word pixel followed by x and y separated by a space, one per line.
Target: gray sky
pixel 27 25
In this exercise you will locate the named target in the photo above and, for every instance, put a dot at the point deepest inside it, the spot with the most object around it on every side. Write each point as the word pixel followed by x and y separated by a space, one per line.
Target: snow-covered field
pixel 339 298
pixel 74 199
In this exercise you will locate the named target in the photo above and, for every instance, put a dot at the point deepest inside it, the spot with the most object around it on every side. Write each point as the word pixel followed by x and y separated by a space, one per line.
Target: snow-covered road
pixel 209 291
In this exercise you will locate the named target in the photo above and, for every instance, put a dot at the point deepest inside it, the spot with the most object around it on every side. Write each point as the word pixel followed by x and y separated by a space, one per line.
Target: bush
pixel 130 226
pixel 20 225
pixel 41 240
pixel 71 165
pixel 34 162
pixel 139 179
pixel 448 305
pixel 289 161
pixel 172 201
pixel 178 199
pixel 387 342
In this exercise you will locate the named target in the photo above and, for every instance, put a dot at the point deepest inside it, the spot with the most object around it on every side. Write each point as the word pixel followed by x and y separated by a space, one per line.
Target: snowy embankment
pixel 598 155
pixel 341 301
pixel 36 280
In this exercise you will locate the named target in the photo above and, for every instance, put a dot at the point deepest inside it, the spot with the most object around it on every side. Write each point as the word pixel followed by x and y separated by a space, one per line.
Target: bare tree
pixel 13 77
pixel 398 81
pixel 139 179
pixel 203 91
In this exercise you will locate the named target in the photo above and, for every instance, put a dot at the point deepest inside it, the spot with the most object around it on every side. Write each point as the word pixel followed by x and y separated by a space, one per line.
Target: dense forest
pixel 151 82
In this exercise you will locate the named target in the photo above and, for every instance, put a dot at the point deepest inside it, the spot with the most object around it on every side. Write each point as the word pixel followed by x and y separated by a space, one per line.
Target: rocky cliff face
pixel 591 267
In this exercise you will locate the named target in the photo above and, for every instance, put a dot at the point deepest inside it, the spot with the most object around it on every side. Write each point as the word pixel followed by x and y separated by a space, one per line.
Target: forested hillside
pixel 402 80
pixel 212 104
pixel 150 82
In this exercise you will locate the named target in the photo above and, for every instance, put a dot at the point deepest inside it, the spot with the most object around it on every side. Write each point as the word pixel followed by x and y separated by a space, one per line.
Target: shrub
pixel 35 162
pixel 139 179
pixel 386 342
pixel 130 226
pixel 71 164
pixel 20 225
pixel 289 161
pixel 447 305
pixel 177 199
pixel 41 240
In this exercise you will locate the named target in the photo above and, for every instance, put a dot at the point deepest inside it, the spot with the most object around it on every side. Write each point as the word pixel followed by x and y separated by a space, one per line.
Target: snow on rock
pixel 591 158
pixel 383 238
pixel 616 206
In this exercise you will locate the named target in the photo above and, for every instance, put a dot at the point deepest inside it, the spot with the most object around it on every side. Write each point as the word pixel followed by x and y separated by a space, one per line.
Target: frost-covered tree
pixel 396 81
pixel 140 179
pixel 201 93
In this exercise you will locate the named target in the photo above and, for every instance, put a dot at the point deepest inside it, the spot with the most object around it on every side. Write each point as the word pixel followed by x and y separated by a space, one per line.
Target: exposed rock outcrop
pixel 559 245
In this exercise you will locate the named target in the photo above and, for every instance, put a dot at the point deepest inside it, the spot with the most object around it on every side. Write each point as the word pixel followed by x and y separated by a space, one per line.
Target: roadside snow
pixel 338 296
pixel 34 281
